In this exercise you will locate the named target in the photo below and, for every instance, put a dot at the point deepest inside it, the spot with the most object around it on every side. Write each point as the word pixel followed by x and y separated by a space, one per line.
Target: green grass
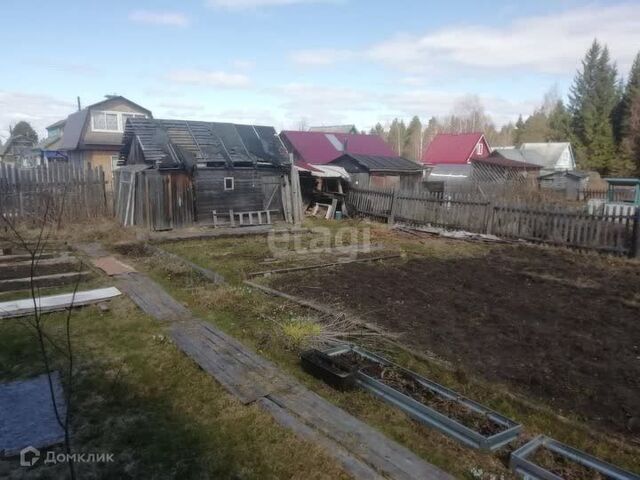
pixel 140 398
pixel 256 319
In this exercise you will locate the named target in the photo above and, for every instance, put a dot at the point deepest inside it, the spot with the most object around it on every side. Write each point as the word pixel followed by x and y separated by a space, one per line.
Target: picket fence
pixel 616 232
pixel 67 192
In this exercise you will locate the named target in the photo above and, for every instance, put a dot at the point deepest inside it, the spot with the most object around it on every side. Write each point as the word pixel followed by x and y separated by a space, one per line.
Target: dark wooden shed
pixel 217 171
pixel 381 171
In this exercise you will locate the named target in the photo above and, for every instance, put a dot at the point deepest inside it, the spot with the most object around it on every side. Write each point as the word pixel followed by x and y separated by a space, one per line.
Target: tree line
pixel 601 120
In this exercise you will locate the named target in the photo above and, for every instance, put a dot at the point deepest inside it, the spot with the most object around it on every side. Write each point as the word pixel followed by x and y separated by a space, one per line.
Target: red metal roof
pixel 317 148
pixel 454 148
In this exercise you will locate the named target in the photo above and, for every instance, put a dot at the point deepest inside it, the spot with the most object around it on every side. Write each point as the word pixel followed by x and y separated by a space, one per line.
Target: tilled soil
pixel 563 327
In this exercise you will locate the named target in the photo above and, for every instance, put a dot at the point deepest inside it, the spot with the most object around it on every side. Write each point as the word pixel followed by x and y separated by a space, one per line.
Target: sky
pixel 291 62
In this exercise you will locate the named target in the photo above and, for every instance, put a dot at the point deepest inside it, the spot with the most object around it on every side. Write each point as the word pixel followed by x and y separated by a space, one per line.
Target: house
pixel 456 149
pixel 318 148
pixel 487 172
pixel 351 129
pixel 550 156
pixel 204 171
pixel 93 136
pixel 380 171
pixel 572 184
pixel 17 150
pixel 48 149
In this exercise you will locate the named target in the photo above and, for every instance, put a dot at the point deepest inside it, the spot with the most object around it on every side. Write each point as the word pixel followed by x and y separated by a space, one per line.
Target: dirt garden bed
pixel 559 326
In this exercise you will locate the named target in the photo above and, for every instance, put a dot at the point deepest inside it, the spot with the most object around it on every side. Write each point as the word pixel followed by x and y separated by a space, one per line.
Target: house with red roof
pixel 459 161
pixel 456 149
pixel 320 148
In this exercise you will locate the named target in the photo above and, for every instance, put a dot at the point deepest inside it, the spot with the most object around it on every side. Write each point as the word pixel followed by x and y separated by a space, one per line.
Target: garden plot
pixel 562 327
pixel 51 270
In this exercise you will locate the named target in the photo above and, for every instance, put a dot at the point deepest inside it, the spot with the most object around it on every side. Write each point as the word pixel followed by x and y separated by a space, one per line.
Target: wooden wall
pixel 253 190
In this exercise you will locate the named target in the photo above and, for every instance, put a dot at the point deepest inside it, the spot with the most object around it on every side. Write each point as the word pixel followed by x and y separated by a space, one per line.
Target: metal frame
pixel 430 416
pixel 520 463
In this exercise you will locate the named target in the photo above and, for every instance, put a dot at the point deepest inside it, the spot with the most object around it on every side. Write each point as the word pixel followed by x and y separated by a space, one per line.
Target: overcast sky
pixel 278 61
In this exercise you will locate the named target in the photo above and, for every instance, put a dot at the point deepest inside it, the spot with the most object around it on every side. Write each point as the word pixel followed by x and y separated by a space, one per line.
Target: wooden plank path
pixel 362 451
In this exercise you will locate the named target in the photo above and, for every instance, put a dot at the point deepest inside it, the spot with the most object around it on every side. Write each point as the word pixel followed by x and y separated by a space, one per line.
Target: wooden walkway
pixel 361 450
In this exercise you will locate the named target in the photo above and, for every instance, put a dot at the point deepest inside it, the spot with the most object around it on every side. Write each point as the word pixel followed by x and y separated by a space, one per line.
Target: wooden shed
pixel 175 173
pixel 381 171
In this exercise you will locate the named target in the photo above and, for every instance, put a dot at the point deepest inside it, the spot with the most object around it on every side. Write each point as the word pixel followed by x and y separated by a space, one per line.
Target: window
pixel 480 149
pixel 110 121
pixel 228 183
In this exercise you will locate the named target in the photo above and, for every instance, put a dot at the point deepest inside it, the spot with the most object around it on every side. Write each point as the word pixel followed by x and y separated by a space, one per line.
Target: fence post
pixel 394 201
pixel 489 218
pixel 635 237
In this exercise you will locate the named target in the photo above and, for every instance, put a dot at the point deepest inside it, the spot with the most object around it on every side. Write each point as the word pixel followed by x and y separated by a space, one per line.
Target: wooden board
pixel 51 303
pixel 112 266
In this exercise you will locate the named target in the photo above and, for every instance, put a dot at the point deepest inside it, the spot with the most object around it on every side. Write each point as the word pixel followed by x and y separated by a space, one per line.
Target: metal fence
pixel 615 232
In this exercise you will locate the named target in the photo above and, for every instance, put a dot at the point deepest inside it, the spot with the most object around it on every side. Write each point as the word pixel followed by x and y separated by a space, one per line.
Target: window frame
pixel 480 148
pixel 119 120
pixel 233 184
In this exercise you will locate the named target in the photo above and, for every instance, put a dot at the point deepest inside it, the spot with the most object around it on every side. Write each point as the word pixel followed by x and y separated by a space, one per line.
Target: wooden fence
pixel 69 192
pixel 614 233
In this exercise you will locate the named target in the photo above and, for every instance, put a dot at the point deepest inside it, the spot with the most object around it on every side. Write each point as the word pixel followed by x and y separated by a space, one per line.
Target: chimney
pixel 346 145
pixel 79 106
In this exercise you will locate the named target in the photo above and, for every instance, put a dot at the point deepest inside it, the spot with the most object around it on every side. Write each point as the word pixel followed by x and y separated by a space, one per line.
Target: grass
pixel 256 320
pixel 140 398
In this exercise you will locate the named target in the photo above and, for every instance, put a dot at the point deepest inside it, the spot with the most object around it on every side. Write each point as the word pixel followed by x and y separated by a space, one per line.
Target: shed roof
pixel 379 163
pixel 566 173
pixel 623 182
pixel 177 143
pixel 450 172
pixel 451 148
pixel 499 160
pixel 320 148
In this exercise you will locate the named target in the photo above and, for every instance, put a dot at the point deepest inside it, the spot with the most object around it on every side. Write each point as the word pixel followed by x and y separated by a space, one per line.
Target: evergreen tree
pixel 378 130
pixel 396 135
pixel 630 120
pixel 519 132
pixel 25 129
pixel 559 124
pixel 593 98
pixel 432 129
pixel 413 140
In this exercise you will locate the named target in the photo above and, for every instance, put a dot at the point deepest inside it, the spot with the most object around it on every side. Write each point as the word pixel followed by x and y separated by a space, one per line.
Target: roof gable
pixel 454 148
pixel 321 148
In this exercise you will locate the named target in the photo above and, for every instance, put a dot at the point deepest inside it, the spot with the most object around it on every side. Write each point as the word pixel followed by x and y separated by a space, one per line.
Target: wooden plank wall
pixel 616 232
pixel 69 191
pixel 149 198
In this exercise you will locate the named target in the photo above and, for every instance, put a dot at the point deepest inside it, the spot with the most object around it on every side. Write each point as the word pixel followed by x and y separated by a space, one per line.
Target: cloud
pixel 39 110
pixel 255 4
pixel 243 64
pixel 429 103
pixel 552 43
pixel 320 57
pixel 209 78
pixel 171 19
